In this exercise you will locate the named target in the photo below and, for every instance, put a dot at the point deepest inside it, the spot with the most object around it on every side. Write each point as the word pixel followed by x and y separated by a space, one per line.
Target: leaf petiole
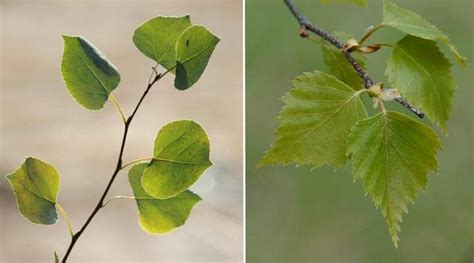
pixel 117 107
pixel 136 161
pixel 369 32
pixel 66 217
pixel 117 197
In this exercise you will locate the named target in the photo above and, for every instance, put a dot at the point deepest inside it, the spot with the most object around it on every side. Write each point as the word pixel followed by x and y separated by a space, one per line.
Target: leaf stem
pixel 66 217
pixel 118 166
pixel 117 107
pixel 368 82
pixel 117 197
pixel 369 33
pixel 137 161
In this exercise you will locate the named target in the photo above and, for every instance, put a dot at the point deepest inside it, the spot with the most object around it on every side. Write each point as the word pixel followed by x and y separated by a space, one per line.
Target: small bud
pixel 376 89
pixel 351 45
pixel 303 32
pixel 389 94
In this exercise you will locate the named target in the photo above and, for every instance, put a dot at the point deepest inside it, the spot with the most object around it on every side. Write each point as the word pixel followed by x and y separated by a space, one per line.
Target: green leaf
pixel 392 155
pixel 362 3
pixel 315 121
pixel 413 24
pixel 56 257
pixel 180 157
pixel 36 185
pixel 423 76
pixel 337 64
pixel 157 37
pixel 89 76
pixel 158 216
pixel 193 50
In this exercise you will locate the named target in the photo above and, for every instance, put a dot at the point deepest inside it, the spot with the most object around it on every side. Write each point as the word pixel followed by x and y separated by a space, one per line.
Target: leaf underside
pixel 159 216
pixel 315 122
pixel 413 24
pixel 88 75
pixel 180 157
pixel 392 155
pixel 423 76
pixel 36 185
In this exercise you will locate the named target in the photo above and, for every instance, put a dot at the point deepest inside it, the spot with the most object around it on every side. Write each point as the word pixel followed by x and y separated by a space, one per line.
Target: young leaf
pixel 413 24
pixel 337 64
pixel 158 216
pixel 362 3
pixel 89 76
pixel 392 155
pixel 180 157
pixel 193 50
pixel 36 185
pixel 318 115
pixel 423 75
pixel 56 257
pixel 157 38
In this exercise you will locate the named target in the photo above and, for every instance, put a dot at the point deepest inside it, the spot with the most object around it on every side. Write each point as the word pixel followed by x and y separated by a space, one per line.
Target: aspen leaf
pixel 180 157
pixel 36 185
pixel 159 216
pixel 318 114
pixel 156 38
pixel 413 24
pixel 423 76
pixel 392 155
pixel 193 50
pixel 88 75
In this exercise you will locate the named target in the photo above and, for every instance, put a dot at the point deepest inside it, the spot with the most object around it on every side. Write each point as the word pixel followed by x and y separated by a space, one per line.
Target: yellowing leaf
pixel 392 155
pixel 36 185
pixel 423 76
pixel 89 76
pixel 156 38
pixel 315 121
pixel 159 216
pixel 181 156
pixel 413 24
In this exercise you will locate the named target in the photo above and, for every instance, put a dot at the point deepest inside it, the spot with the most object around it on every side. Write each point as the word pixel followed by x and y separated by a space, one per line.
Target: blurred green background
pixel 299 215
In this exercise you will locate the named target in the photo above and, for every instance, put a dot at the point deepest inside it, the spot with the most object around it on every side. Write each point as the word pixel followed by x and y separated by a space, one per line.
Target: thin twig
pixel 368 82
pixel 118 166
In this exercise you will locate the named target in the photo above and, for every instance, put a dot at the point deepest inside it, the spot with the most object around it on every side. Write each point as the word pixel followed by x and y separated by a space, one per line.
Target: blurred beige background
pixel 39 118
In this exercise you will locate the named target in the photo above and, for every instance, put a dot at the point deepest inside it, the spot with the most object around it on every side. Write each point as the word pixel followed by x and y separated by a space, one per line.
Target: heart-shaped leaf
pixel 158 216
pixel 89 76
pixel 36 185
pixel 193 50
pixel 157 38
pixel 180 157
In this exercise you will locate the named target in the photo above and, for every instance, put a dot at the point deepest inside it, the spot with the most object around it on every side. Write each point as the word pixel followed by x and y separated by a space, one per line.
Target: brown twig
pixel 368 82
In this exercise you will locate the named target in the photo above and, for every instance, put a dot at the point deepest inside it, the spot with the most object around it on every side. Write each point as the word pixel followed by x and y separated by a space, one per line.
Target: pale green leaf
pixel 357 2
pixel 56 257
pixel 180 157
pixel 159 216
pixel 392 154
pixel 423 76
pixel 315 122
pixel 89 76
pixel 156 38
pixel 337 64
pixel 413 24
pixel 36 185
pixel 193 50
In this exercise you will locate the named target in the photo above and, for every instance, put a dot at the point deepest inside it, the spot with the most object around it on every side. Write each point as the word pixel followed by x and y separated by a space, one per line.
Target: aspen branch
pixel 368 82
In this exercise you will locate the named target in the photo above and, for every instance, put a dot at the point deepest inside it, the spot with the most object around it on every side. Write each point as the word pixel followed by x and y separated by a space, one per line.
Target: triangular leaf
pixel 413 24
pixel 423 76
pixel 36 185
pixel 156 38
pixel 318 114
pixel 337 65
pixel 89 76
pixel 193 50
pixel 392 155
pixel 159 216
pixel 357 2
pixel 181 156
